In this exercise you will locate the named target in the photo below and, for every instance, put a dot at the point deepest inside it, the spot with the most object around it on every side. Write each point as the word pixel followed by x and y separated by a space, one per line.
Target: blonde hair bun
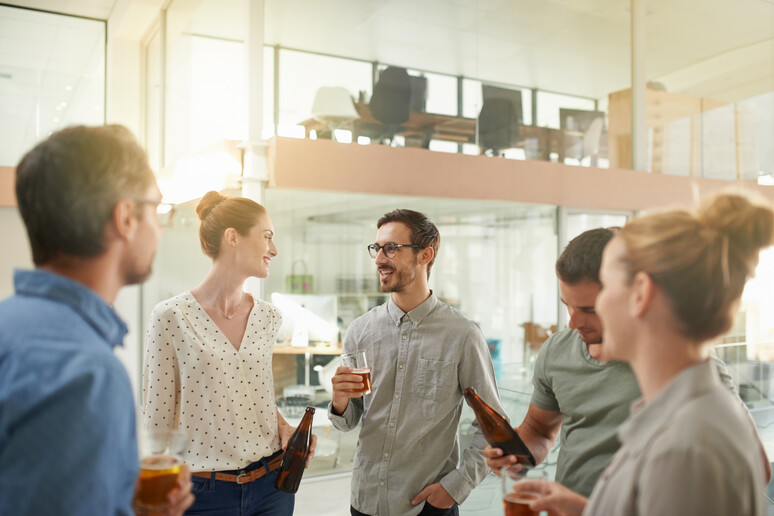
pixel 208 202
pixel 748 223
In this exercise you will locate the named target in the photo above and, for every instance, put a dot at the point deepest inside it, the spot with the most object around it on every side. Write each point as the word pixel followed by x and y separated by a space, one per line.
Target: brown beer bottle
pixel 294 460
pixel 496 429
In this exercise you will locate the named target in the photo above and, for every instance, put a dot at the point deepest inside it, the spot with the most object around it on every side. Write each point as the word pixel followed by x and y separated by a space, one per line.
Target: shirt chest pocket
pixel 435 379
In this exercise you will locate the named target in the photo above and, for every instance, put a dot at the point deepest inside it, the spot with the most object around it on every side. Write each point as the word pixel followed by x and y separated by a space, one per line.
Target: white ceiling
pixel 722 49
pixel 574 46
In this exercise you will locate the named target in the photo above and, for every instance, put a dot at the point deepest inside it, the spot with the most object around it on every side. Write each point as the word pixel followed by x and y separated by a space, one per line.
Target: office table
pixel 307 351
pixel 427 126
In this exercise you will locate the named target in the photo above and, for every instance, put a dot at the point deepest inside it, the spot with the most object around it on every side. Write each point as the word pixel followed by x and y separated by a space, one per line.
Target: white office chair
pixel 334 107
pixel 592 139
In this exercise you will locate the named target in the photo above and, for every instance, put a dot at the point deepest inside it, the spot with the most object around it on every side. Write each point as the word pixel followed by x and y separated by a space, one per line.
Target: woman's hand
pixel 559 501
pixel 285 431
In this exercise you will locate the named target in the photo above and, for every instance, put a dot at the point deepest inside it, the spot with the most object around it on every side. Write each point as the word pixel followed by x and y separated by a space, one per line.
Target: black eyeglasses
pixel 389 249
pixel 165 210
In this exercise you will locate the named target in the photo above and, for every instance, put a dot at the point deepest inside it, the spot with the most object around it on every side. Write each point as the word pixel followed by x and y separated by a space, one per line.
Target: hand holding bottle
pixel 299 449
pixel 286 432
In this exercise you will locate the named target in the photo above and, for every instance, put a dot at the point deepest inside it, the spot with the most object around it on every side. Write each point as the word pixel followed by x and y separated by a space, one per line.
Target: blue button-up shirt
pixel 67 423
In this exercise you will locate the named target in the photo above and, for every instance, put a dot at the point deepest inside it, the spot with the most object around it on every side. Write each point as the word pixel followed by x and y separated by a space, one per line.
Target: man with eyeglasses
pixel 88 199
pixel 423 353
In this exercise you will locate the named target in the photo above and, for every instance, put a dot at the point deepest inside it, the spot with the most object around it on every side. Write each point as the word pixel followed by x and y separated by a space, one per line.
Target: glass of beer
pixel 521 485
pixel 357 361
pixel 161 459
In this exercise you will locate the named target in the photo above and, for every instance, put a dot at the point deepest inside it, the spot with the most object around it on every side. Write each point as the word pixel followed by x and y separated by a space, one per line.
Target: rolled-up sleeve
pixel 475 370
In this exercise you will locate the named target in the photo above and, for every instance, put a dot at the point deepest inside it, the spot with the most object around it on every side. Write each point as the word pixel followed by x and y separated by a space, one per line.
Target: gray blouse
pixel 691 450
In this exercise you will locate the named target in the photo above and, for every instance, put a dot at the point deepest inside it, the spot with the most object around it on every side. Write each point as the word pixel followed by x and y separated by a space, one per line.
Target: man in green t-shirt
pixel 577 389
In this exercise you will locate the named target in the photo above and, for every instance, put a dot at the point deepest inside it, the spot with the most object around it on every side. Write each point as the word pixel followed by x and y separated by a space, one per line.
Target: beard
pixel 399 280
pixel 136 270
pixel 135 276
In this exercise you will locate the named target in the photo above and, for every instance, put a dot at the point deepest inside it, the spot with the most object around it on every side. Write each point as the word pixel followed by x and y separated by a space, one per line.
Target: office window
pixel 441 94
pixel 206 82
pixel 52 74
pixel 267 130
pixel 301 74
pixel 154 101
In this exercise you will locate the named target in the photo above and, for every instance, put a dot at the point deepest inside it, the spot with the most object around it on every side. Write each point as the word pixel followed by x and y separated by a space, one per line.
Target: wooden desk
pixel 307 351
pixel 300 350
pixel 456 129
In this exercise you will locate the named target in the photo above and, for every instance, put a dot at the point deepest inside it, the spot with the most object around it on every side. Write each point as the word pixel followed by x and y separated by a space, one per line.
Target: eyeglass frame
pixel 163 209
pixel 373 249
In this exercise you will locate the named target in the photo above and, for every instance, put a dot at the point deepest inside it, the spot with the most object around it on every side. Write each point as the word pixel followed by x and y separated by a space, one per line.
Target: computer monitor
pixel 500 118
pixel 578 119
pixel 315 314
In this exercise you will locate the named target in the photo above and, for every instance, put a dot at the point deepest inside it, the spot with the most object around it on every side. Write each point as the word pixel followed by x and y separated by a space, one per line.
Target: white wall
pixel 15 249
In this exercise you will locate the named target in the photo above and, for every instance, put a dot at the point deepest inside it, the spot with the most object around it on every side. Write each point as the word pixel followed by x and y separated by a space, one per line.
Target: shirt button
pixel 400 366
pixel 397 396
pixel 404 336
pixel 392 424
pixel 386 455
pixel 381 483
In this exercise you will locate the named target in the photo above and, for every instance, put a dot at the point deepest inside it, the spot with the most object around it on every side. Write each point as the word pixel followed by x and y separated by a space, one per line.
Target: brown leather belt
pixel 242 478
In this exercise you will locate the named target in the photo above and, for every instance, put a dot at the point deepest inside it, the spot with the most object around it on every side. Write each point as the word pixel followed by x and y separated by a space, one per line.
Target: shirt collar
pixel 647 418
pixel 417 315
pixel 84 301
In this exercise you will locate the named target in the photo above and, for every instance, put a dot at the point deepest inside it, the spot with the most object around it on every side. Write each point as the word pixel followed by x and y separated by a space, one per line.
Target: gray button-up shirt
pixel 691 450
pixel 421 361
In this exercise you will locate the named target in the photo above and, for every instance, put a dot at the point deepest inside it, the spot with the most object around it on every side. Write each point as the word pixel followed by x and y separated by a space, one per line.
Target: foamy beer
pixel 521 485
pixel 357 361
pixel 160 464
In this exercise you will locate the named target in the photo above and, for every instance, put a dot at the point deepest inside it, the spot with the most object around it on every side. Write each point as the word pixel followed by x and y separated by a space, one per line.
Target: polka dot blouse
pixel 195 380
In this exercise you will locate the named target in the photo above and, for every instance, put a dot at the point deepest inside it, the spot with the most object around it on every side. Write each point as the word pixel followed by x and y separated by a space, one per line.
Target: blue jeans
pixel 257 498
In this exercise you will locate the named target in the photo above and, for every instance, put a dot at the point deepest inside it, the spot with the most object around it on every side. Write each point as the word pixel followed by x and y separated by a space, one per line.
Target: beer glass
pixel 357 361
pixel 161 459
pixel 521 485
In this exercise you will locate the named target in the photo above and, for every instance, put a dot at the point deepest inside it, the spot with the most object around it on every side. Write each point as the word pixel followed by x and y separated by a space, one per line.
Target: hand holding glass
pixel 522 484
pixel 161 459
pixel 357 361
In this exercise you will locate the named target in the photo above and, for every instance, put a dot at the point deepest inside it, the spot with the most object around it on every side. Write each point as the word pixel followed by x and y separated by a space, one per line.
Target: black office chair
pixel 498 126
pixel 390 102
pixel 418 92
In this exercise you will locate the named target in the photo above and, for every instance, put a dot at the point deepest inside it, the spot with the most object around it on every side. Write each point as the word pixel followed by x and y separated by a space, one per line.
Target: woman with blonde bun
pixel 671 282
pixel 208 356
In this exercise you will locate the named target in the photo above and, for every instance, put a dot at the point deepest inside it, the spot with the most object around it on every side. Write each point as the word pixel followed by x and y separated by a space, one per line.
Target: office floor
pixel 329 496
pixel 325 488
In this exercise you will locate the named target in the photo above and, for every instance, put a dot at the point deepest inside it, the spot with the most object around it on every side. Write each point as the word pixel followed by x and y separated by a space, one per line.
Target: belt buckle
pixel 240 480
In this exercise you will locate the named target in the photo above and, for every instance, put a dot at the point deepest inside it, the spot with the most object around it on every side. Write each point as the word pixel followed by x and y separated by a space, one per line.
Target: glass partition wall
pixel 496 259
pixel 495 265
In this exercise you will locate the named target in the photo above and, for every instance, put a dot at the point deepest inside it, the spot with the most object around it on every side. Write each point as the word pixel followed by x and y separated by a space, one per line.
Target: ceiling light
pixel 68 88
pixel 56 120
